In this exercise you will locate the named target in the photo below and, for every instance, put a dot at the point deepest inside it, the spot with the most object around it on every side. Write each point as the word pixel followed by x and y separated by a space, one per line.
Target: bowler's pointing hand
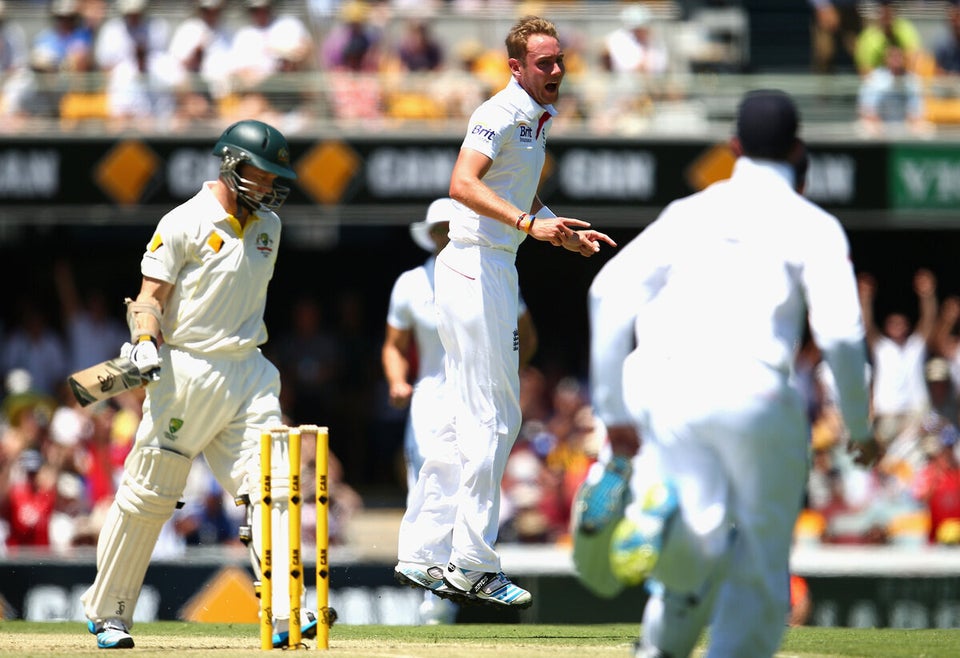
pixel 587 242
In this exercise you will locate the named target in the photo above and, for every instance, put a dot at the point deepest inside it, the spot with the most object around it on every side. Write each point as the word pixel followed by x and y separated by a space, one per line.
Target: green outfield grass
pixel 183 640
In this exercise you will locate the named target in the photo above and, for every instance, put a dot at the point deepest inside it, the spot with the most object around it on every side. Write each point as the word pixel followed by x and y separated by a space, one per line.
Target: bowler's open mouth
pixel 553 86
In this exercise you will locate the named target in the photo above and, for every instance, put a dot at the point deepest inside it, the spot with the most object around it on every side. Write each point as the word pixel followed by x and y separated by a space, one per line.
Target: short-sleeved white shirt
pixel 220 274
pixel 511 129
pixel 899 385
pixel 412 308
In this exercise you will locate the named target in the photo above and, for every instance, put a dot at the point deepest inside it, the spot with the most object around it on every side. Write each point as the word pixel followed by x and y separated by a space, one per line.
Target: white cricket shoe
pixel 492 588
pixel 428 577
pixel 111 634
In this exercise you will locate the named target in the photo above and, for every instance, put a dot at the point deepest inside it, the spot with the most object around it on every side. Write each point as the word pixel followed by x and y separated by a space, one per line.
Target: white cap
pixel 441 210
pixel 131 6
pixel 634 16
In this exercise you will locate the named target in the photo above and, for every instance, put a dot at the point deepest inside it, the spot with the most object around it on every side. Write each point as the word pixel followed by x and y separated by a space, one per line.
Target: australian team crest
pixel 172 428
pixel 265 244
pixel 283 155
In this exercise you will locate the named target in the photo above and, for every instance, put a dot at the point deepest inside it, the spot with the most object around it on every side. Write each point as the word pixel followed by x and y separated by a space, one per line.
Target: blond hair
pixel 525 28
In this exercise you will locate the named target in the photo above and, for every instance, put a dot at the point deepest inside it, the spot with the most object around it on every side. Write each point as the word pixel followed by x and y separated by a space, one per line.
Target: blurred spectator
pixel 28 505
pixel 938 488
pixel 13 44
pixel 940 387
pixel 835 27
pixel 69 514
pixel 898 353
pixel 93 333
pixel 143 92
pixel 201 45
pixel 890 98
pixel 68 43
pixel 531 508
pixel 634 48
pixel 353 43
pixel 35 346
pixel 419 50
pixel 572 456
pixel 886 29
pixel 946 51
pixel 267 44
pixel 946 342
pixel 34 91
pixel 132 36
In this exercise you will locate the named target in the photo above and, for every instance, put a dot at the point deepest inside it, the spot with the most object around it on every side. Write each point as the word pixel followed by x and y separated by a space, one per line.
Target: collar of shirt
pixel 525 103
pixel 211 207
pixel 767 169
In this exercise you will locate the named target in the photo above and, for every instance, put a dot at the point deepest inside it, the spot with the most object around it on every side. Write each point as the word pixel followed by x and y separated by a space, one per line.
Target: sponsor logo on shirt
pixel 526 134
pixel 483 131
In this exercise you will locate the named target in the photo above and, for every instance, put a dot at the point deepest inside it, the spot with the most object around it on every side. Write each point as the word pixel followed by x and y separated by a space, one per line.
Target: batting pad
pixel 152 483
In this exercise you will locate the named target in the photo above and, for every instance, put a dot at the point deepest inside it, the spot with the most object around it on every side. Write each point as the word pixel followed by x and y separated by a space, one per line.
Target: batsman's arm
pixel 144 312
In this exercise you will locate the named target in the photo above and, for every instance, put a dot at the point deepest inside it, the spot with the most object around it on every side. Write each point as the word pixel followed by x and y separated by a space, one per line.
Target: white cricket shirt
pixel 220 274
pixel 510 128
pixel 711 300
pixel 412 308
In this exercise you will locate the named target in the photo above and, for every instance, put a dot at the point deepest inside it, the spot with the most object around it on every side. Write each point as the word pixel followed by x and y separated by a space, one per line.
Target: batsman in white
pixel 694 330
pixel 412 322
pixel 447 541
pixel 206 271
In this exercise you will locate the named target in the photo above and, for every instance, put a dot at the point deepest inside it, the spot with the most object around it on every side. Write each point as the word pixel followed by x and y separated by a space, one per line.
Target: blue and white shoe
pixel 490 588
pixel 428 577
pixel 308 629
pixel 636 544
pixel 111 634
pixel 601 503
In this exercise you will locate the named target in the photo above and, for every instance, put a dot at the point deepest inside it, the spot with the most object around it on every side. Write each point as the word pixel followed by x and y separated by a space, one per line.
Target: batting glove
pixel 145 356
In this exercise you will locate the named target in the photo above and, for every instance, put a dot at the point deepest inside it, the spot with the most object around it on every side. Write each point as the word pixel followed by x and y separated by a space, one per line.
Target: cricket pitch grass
pixel 188 640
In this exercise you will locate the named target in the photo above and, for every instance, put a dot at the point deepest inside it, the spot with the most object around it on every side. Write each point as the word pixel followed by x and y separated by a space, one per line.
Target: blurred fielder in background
pixel 205 276
pixel 447 535
pixel 413 344
pixel 715 405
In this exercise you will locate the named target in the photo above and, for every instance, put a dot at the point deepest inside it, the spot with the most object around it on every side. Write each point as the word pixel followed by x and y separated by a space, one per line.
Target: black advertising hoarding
pixel 129 172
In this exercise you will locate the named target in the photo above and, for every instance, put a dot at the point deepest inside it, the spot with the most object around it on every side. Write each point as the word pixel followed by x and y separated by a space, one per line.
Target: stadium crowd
pixel 59 462
pixel 200 64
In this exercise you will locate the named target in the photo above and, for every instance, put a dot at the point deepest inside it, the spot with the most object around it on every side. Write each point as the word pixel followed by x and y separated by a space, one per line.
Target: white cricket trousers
pixel 737 455
pixel 453 513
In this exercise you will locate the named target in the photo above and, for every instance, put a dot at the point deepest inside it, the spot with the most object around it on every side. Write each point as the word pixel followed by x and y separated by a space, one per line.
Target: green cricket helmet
pixel 261 146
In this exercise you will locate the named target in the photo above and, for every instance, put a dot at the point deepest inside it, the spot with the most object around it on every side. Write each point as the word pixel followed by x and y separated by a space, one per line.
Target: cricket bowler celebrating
pixel 195 331
pixel 448 532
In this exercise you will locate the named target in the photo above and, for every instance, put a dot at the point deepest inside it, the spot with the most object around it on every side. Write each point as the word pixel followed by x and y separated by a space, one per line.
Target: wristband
pixel 525 222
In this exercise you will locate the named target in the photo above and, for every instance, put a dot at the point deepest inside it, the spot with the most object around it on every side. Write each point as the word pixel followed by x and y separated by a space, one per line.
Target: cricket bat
pixel 105 380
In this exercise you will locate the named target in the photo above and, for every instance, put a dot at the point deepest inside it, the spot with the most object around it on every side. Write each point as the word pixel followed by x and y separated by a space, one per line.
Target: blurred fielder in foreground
pixel 447 540
pixel 714 404
pixel 205 277
pixel 412 323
